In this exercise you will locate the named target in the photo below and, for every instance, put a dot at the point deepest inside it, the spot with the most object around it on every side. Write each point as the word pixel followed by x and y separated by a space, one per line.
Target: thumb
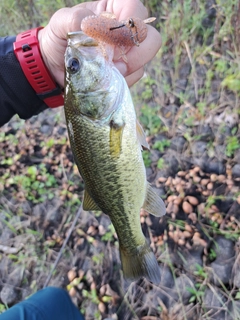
pixel 53 41
pixel 68 20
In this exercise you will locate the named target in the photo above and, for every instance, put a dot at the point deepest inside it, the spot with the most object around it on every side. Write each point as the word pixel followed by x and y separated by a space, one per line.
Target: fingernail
pixel 122 67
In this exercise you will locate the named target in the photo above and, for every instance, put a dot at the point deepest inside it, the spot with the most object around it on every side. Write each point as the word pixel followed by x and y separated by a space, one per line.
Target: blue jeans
pixel 47 304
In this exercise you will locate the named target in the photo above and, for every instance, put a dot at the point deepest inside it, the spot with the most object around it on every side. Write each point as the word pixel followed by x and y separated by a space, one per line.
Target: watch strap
pixel 27 51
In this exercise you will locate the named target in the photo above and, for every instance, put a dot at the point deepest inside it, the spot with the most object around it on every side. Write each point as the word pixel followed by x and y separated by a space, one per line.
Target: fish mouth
pixel 79 38
pixel 75 33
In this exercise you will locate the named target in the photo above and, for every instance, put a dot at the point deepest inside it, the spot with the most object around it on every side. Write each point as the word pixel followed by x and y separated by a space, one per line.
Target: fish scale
pixel 105 143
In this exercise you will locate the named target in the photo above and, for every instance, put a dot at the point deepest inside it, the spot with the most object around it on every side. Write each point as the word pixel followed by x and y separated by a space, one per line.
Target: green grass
pixel 36 184
pixel 233 144
pixel 150 119
pixel 2 308
pixel 20 15
pixel 146 158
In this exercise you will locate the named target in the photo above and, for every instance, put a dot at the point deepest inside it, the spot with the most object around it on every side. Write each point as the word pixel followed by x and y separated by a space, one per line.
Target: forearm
pixel 16 94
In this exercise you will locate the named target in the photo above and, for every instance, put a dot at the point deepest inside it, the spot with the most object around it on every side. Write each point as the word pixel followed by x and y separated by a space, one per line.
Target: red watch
pixel 27 51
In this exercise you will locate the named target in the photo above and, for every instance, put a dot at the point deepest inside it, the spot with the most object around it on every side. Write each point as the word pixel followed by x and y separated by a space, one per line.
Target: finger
pixel 68 20
pixel 137 57
pixel 134 77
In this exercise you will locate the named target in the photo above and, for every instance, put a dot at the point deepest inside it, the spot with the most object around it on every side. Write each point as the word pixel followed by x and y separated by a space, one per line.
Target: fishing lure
pixel 107 29
pixel 137 28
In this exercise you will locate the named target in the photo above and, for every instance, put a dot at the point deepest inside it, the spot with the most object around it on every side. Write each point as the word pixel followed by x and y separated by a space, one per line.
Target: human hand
pixel 53 41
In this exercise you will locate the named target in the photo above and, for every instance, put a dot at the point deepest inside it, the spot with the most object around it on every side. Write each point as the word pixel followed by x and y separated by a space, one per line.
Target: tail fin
pixel 141 263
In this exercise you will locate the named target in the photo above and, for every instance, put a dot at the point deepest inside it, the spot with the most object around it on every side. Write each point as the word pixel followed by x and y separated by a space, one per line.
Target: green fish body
pixel 107 141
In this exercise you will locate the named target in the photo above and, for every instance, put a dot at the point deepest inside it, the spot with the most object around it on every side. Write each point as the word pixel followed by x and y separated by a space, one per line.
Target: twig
pixel 63 168
pixel 63 246
pixel 193 69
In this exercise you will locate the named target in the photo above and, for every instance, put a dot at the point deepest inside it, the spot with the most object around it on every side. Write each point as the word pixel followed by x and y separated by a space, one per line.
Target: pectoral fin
pixel 141 136
pixel 153 203
pixel 88 203
pixel 115 139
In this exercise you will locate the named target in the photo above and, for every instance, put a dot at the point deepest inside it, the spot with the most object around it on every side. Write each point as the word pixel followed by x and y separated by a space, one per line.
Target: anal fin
pixel 88 203
pixel 153 203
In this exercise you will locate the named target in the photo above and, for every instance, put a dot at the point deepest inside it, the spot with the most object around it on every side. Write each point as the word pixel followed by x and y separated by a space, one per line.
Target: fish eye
pixel 73 65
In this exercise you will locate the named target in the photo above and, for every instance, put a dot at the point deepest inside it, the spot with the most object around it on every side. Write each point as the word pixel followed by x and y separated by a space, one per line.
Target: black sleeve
pixel 16 94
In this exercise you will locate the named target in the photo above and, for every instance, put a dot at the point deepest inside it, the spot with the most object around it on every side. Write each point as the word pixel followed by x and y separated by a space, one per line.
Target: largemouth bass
pixel 107 141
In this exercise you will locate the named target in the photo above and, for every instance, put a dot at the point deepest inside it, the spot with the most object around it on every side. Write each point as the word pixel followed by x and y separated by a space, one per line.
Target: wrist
pixel 35 67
